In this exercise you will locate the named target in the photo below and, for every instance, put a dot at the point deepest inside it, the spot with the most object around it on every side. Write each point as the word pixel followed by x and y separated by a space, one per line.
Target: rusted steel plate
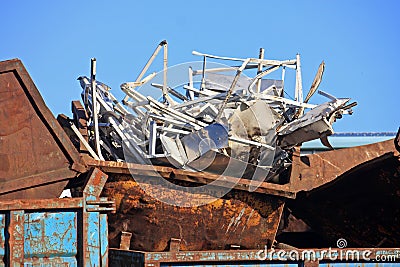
pixel 313 171
pixel 34 149
pixel 34 204
pixel 249 220
pixel 362 205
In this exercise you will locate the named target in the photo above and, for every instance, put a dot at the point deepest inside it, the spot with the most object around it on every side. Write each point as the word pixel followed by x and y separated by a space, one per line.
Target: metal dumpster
pixel 57 232
pixel 321 192
pixel 37 160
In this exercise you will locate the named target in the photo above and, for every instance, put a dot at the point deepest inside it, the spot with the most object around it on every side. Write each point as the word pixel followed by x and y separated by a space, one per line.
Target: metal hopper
pixel 36 156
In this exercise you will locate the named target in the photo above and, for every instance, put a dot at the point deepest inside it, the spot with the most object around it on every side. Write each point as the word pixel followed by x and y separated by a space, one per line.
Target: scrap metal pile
pixel 217 121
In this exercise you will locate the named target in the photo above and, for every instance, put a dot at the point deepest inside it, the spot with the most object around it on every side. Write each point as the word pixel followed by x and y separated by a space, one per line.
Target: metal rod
pixel 260 75
pixel 94 108
pixel 249 142
pixel 203 79
pixel 259 69
pixel 299 84
pixel 165 61
pixel 127 140
pixel 229 93
pixel 327 95
pixel 172 91
pixel 190 93
pixel 283 79
pixel 84 142
pixel 151 59
pixel 176 114
pixel 289 63
pixel 153 138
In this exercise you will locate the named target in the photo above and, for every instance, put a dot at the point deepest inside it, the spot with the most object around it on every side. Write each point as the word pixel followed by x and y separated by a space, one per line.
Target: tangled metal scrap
pixel 232 124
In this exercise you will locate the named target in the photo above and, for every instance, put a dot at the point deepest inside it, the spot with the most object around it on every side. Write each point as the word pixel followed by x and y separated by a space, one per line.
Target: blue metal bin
pixel 57 232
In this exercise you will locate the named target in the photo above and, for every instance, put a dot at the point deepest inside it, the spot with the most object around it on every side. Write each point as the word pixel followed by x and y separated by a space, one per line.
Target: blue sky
pixel 358 40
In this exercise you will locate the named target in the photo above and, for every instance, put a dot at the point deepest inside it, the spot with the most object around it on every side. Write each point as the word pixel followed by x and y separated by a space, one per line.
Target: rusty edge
pixel 313 171
pixel 188 176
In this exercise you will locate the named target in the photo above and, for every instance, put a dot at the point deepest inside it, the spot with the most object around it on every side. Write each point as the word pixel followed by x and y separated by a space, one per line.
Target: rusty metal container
pixel 57 232
pixel 240 219
pixel 361 204
pixel 36 156
pixel 356 199
pixel 315 183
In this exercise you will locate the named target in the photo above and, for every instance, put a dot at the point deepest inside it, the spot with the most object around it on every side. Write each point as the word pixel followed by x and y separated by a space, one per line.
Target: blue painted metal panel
pixel 51 236
pixel 104 239
pixel 93 239
pixel 57 232
pixel 67 237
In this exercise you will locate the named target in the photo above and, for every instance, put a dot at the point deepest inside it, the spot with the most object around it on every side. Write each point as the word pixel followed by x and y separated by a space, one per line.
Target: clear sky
pixel 358 40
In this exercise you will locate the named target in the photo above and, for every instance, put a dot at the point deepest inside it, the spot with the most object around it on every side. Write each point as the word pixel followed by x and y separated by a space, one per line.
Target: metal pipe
pixel 259 69
pixel 94 108
pixel 145 68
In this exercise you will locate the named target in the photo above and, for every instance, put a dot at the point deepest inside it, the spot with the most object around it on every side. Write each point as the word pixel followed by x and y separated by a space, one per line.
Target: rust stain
pixel 199 228
pixel 97 178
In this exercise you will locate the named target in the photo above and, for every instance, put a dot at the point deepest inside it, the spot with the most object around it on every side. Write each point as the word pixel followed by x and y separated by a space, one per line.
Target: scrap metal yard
pixel 206 163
